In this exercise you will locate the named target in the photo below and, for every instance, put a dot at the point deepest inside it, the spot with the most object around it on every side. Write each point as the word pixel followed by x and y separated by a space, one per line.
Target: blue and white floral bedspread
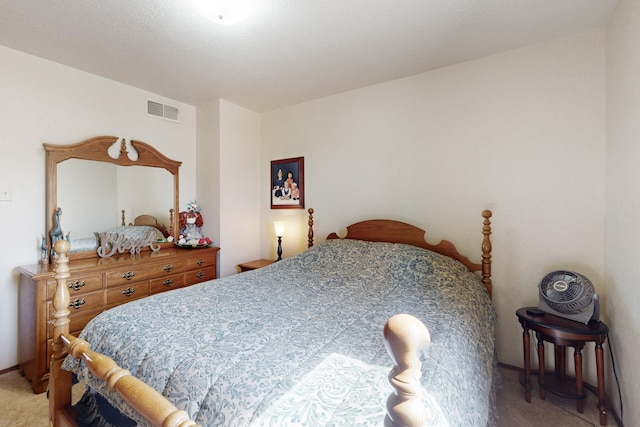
pixel 300 342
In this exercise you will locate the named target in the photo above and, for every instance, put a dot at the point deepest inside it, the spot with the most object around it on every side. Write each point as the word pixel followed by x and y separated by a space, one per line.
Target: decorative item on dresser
pixel 191 222
pixel 261 347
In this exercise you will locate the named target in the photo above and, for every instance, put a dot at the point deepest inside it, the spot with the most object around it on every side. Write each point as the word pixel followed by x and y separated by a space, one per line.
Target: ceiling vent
pixel 164 111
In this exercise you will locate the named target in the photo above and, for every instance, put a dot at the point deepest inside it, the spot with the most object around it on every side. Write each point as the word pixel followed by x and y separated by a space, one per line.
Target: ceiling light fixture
pixel 224 12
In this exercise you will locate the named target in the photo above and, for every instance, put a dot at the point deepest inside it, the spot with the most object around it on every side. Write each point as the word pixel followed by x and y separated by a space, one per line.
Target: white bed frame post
pixel 405 339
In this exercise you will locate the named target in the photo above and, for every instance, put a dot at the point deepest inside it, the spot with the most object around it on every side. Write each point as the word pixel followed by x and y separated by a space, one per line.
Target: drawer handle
pixel 77 303
pixel 200 275
pixel 200 262
pixel 168 267
pixel 168 282
pixel 76 285
pixel 129 275
pixel 127 292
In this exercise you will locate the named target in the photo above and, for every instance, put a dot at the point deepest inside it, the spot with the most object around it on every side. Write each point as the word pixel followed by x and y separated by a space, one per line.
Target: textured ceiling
pixel 287 51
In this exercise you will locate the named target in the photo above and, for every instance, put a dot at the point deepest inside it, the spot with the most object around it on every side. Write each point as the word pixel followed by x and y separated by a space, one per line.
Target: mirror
pixel 78 173
pixel 137 190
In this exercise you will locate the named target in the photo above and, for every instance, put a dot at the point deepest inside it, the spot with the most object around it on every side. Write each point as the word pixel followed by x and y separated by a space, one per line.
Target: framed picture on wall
pixel 287 183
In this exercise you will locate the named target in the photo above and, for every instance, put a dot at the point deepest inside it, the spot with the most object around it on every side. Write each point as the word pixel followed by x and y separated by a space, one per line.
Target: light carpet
pixel 22 408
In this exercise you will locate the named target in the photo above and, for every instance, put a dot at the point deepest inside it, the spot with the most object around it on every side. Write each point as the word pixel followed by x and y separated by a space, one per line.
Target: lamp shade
pixel 278 226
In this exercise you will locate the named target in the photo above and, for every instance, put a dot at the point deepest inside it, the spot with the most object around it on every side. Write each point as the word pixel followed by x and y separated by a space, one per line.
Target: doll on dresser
pixel 190 223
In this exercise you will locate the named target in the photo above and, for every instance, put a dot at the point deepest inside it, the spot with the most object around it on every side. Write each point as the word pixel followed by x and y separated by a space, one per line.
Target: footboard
pixel 141 397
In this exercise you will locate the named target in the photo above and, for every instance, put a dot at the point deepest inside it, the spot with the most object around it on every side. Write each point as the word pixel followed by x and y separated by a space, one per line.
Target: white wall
pixel 239 189
pixel 208 169
pixel 521 133
pixel 228 181
pixel 623 204
pixel 41 101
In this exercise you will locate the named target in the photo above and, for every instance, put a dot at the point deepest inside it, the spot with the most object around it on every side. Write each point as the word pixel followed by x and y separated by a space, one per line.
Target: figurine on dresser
pixel 56 232
pixel 44 251
pixel 190 223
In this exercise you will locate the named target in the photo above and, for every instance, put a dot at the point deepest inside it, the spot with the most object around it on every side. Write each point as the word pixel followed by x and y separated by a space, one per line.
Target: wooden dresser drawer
pixel 196 276
pixel 80 303
pixel 127 293
pixel 137 273
pixel 166 283
pixel 200 260
pixel 77 284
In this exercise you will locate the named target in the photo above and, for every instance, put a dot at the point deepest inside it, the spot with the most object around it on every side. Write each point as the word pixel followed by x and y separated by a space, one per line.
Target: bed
pixel 299 342
pixel 151 221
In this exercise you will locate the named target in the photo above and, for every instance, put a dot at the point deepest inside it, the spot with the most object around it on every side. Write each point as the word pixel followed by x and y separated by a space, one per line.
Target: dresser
pixel 95 285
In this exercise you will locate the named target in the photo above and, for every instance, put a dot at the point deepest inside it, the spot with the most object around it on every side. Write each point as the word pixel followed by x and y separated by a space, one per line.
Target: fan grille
pixel 566 291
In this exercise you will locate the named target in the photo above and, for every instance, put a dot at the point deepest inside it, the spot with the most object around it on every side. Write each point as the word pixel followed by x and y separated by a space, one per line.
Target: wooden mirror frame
pixel 97 149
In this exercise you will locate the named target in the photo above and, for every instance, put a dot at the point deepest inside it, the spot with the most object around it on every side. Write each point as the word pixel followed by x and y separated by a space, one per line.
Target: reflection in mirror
pixel 87 194
pixel 143 190
pixel 94 202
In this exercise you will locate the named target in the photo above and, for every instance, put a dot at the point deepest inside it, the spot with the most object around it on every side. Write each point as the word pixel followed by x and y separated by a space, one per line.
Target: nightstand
pixel 252 265
pixel 562 333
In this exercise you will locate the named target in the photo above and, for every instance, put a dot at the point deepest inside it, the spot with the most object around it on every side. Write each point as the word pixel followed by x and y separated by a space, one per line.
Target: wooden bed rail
pixel 140 396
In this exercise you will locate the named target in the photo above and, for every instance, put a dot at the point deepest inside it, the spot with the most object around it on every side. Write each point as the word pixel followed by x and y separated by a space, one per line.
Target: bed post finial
pixel 405 337
pixel 486 250
pixel 310 234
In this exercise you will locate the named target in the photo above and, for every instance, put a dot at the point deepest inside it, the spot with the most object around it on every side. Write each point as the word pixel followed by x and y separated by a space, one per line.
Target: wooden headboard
pixel 151 221
pixel 385 230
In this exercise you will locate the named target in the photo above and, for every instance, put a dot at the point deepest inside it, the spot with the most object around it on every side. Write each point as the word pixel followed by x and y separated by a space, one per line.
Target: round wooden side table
pixel 562 333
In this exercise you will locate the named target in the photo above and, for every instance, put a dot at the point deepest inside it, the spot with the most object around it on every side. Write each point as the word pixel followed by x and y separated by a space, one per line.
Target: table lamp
pixel 279 229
